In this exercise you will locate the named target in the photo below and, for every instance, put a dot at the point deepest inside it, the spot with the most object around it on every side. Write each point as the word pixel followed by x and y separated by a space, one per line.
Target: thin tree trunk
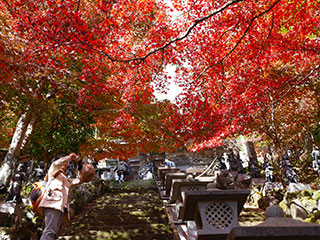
pixel 19 138
pixel 308 144
pixel 28 133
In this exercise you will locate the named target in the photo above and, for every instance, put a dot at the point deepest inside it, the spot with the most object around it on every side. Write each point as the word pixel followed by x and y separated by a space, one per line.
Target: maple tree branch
pixel 240 40
pixel 225 56
pixel 221 36
pixel 159 68
pixel 185 35
pixel 196 22
pixel 265 42
pixel 78 6
pixel 300 82
pixel 264 128
pixel 9 7
pixel 316 51
pixel 188 12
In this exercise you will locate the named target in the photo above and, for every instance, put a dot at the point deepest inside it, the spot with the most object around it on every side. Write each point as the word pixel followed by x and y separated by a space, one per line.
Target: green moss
pixel 316 195
pixel 310 220
pixel 283 205
pixel 307 193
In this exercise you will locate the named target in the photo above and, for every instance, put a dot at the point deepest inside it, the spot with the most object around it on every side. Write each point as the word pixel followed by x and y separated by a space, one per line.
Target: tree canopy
pixel 245 66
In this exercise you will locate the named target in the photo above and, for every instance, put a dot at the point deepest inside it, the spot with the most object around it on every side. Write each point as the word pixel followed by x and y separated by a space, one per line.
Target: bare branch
pixel 159 68
pixel 78 6
pixel 185 35
pixel 265 42
pixel 297 84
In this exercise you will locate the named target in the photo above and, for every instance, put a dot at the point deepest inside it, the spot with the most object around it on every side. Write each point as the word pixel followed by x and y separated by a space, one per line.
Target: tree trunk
pixel 252 154
pixel 19 139
pixel 28 133
pixel 308 145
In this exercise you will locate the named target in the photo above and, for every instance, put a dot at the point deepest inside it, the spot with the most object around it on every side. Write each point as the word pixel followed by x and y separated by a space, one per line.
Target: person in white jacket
pixel 55 202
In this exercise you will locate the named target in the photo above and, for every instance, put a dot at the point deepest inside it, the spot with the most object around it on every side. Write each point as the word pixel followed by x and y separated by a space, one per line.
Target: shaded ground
pixel 126 212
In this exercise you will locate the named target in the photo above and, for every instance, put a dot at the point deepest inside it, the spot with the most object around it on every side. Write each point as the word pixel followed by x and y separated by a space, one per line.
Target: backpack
pixel 37 192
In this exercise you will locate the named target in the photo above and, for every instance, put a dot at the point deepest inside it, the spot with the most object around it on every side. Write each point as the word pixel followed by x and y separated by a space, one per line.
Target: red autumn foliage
pixel 236 60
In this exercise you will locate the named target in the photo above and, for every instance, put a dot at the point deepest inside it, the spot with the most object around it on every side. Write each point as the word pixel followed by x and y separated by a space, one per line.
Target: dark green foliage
pixel 62 129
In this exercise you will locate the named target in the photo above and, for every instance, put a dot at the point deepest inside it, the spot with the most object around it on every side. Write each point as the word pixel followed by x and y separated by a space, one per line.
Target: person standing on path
pixel 55 202
pixel 122 170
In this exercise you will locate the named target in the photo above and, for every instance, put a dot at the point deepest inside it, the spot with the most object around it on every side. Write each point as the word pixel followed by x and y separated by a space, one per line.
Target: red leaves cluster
pixel 235 59
pixel 244 61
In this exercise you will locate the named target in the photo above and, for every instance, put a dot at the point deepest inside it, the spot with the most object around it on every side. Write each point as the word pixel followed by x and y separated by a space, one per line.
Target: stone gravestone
pixel 221 162
pixel 39 173
pixel 233 162
pixel 268 169
pixel 269 173
pixel 253 168
pixel 316 160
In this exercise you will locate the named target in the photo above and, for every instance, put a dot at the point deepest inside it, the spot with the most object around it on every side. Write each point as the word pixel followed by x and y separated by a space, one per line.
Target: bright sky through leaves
pixel 174 89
